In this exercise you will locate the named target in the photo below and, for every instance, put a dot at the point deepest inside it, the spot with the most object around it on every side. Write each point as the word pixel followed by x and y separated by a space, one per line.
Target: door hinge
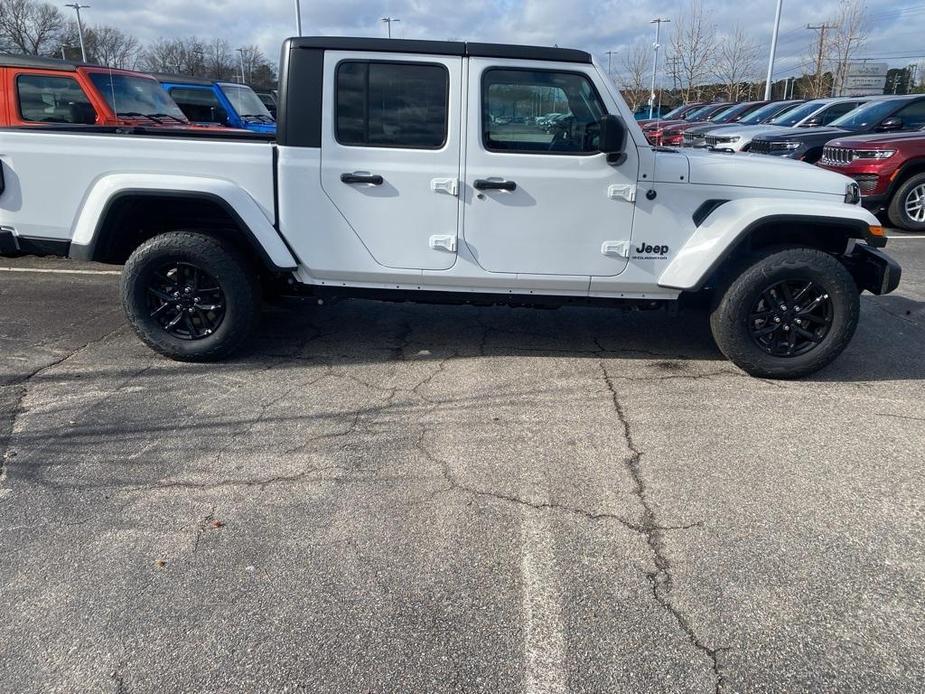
pixel 622 192
pixel 617 249
pixel 450 186
pixel 443 242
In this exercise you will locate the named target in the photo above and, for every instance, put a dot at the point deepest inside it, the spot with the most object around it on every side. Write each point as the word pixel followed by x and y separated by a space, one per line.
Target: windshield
pixel 765 112
pixel 731 113
pixel 698 113
pixel 675 113
pixel 136 96
pixel 865 116
pixel 246 102
pixel 794 116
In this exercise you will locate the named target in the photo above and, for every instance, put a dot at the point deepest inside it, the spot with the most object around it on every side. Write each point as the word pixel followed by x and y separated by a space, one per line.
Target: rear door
pixel 390 153
pixel 540 198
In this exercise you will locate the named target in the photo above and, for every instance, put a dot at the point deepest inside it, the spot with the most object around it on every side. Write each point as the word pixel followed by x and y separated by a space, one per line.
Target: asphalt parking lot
pixel 384 497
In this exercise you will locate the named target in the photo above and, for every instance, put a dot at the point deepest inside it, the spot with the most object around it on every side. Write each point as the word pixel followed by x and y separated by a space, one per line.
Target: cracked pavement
pixel 389 497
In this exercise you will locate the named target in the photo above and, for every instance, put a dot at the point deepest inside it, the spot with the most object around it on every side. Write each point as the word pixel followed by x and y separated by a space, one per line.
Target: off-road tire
pixel 237 278
pixel 896 210
pixel 738 295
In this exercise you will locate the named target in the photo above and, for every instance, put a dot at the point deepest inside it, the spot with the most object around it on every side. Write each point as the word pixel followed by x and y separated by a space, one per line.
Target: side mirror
pixel 612 139
pixel 812 122
pixel 891 123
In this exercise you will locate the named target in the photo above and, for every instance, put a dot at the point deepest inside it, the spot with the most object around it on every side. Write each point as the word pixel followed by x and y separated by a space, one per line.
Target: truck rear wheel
pixel 786 314
pixel 907 206
pixel 190 296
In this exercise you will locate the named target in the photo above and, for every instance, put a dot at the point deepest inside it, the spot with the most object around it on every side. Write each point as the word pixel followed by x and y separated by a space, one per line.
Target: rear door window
pixel 382 104
pixel 837 111
pixel 199 105
pixel 47 99
pixel 913 115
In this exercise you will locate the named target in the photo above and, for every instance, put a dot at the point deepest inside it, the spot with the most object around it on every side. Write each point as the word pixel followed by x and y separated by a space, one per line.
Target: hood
pixel 653 124
pixel 758 171
pixel 800 134
pixel 704 128
pixel 883 140
pixel 748 130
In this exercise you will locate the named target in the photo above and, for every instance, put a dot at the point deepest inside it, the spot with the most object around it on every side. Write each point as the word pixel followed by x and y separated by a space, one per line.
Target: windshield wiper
pixel 136 114
pixel 165 115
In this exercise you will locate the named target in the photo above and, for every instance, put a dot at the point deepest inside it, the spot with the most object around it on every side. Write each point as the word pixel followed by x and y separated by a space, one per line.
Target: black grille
pixel 713 140
pixel 760 147
pixel 867 183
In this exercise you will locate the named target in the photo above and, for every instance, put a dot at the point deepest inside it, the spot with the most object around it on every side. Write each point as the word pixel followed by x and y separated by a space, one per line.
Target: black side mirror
pixel 891 123
pixel 612 139
pixel 813 122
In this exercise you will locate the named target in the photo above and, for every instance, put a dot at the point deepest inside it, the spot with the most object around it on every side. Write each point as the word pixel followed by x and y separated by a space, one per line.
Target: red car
pixel 678 113
pixel 890 171
pixel 654 130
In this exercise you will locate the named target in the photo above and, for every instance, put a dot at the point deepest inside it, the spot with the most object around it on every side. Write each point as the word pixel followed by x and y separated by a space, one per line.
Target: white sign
pixel 855 82
pixel 867 69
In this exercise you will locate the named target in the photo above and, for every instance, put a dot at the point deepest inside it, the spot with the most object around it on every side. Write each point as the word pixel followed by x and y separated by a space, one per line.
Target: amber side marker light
pixel 876 231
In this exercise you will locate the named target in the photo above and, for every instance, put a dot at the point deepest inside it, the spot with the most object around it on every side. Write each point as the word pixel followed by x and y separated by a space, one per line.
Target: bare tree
pixel 634 80
pixel 258 71
pixel 736 59
pixel 30 27
pixel 105 45
pixel 849 34
pixel 693 44
pixel 185 56
pixel 219 61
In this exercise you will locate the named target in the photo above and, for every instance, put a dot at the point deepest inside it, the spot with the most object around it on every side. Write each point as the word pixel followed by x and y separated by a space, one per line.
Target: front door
pixel 390 153
pixel 540 197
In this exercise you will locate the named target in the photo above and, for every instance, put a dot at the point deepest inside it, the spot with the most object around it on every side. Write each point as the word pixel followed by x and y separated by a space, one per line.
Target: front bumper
pixel 873 269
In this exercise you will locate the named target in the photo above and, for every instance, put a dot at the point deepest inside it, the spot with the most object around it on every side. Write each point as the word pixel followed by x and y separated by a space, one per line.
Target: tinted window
pixel 533 111
pixel 913 115
pixel 391 104
pixel 53 100
pixel 133 96
pixel 246 102
pixel 866 116
pixel 791 118
pixel 199 105
pixel 837 111
pixel 765 112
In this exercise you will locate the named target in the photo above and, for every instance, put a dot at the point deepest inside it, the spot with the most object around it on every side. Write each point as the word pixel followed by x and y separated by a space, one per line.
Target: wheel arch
pixel 116 219
pixel 715 247
pixel 909 168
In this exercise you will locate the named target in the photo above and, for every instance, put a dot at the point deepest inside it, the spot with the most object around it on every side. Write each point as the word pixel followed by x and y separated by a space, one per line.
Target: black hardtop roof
pixel 460 48
pixel 180 79
pixel 10 60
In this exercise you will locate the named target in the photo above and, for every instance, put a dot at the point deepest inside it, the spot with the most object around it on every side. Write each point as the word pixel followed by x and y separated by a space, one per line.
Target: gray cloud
pixel 595 25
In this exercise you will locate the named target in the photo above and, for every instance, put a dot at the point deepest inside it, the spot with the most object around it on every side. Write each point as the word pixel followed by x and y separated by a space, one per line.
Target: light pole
pixel 298 17
pixel 658 28
pixel 388 21
pixel 767 86
pixel 241 57
pixel 610 55
pixel 80 29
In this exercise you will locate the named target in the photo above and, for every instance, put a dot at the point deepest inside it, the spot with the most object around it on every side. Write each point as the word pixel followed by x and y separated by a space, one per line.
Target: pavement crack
pixel 900 416
pixel 661 579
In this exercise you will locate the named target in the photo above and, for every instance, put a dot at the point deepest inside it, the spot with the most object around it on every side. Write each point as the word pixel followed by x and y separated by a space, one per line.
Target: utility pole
pixel 388 21
pixel 241 57
pixel 821 28
pixel 80 29
pixel 658 28
pixel 767 86
pixel 842 72
pixel 610 55
pixel 298 17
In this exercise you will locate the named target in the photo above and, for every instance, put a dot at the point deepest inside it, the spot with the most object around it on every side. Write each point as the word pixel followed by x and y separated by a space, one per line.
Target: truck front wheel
pixel 190 296
pixel 786 314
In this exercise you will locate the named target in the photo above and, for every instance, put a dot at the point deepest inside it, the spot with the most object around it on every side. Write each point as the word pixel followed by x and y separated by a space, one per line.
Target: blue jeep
pixel 222 103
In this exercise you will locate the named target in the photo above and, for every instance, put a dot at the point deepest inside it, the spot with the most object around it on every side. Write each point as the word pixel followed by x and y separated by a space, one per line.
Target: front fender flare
pixel 731 223
pixel 234 199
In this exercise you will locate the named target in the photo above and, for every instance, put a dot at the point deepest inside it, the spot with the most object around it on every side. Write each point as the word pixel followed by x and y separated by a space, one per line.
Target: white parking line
pixel 47 271
pixel 906 237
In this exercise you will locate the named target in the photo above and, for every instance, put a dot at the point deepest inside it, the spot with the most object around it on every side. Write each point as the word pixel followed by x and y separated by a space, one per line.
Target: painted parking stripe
pixel 48 271
pixel 905 237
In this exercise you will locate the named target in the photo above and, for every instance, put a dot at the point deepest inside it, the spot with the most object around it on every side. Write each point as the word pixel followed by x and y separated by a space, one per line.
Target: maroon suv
pixel 890 170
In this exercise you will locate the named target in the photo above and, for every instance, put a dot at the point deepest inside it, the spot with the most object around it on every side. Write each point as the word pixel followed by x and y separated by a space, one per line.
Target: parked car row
pixel 43 91
pixel 877 140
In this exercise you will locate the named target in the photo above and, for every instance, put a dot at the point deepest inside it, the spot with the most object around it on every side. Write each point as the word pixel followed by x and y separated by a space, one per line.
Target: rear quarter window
pixel 48 99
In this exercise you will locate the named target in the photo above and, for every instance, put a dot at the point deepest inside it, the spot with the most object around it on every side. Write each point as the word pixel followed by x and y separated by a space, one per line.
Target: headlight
pixel 853 194
pixel 785 146
pixel 734 138
pixel 874 153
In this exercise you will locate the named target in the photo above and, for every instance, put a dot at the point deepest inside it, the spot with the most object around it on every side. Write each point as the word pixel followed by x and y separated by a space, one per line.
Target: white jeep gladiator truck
pixel 432 171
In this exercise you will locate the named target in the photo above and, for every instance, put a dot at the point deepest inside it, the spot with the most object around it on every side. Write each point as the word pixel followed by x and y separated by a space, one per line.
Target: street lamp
pixel 658 27
pixel 241 57
pixel 767 86
pixel 388 21
pixel 298 17
pixel 80 30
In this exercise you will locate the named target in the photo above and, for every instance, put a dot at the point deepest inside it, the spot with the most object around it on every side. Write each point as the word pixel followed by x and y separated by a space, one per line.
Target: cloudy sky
pixel 896 26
